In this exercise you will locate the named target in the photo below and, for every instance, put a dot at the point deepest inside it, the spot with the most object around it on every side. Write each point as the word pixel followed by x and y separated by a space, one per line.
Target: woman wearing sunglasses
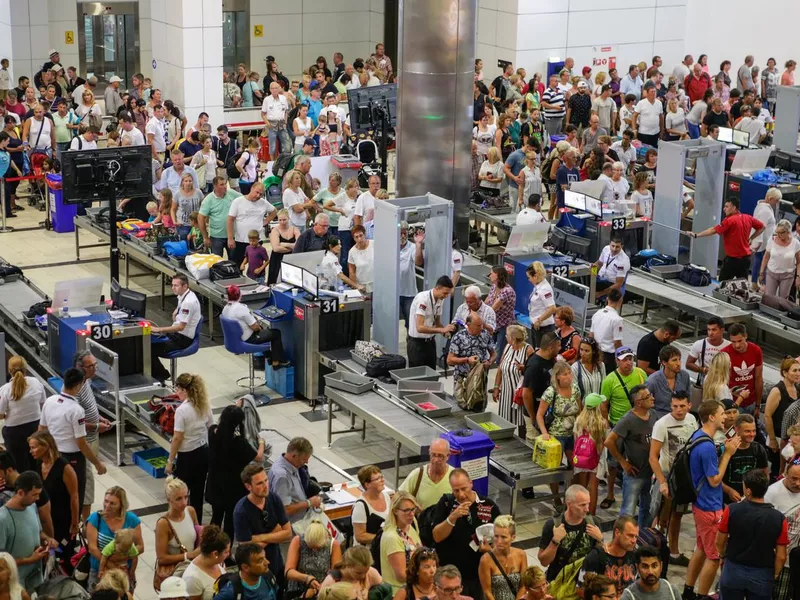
pixel 371 510
pixel 534 584
pixel 399 540
pixel 419 583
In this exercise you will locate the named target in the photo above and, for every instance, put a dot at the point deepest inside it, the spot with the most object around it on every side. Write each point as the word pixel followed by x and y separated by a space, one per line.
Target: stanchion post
pixel 3 228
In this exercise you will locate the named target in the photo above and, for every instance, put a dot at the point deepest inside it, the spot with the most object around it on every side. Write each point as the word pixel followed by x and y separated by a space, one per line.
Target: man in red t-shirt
pixel 737 231
pixel 747 366
pixel 696 83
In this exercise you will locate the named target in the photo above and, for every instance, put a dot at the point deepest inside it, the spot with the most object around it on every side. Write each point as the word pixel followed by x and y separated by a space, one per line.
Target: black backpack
pixel 224 269
pixel 547 166
pixel 375 550
pixel 681 486
pixel 230 166
pixel 284 163
pixel 381 365
pixel 426 523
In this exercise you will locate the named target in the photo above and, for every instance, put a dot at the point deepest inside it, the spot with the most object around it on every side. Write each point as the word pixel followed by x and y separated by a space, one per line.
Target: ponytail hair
pixel 17 367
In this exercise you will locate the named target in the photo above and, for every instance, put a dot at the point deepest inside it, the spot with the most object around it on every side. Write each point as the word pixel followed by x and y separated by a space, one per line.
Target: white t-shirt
pixel 766 214
pixel 329 267
pixel 673 435
pixel 644 203
pixel 615 190
pixel 493 170
pixel 65 419
pixel 200 583
pixel 193 425
pixel 305 127
pixel 80 143
pixel 275 109
pixel 344 201
pixel 789 504
pixel 156 128
pixel 649 120
pixel 484 139
pixel 782 258
pixel 676 121
pixel 528 216
pixel 709 354
pixel 755 127
pixel 625 113
pixel 456 262
pixel 360 514
pixel 365 207
pixel 408 276
pixel 680 72
pixel 424 304
pixel 613 267
pixel 607 328
pixel 248 215
pixel 237 311
pixel 625 156
pixel 134 135
pixel 292 198
pixel 364 262
pixel 541 299
pixel 26 408
pixel 188 312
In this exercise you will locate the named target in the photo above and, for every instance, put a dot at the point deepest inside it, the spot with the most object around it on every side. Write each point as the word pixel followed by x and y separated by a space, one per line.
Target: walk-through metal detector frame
pixel 787 119
pixel 437 215
pixel 709 157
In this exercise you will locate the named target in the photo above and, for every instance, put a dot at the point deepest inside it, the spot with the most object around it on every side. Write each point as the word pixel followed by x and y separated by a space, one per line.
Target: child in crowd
pixel 323 131
pixel 626 113
pixel 121 554
pixel 5 79
pixel 591 426
pixel 147 89
pixel 255 257
pixel 195 237
pixel 165 209
pixel 793 447
pixel 152 210
pixel 113 139
pixel 642 196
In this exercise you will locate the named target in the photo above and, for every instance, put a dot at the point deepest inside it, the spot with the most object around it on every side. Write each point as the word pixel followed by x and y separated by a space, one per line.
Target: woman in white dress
pixel 510 372
pixel 302 126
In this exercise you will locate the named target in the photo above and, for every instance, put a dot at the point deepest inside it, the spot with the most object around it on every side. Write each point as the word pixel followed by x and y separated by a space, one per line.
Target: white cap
pixel 115 79
pixel 173 587
pixel 56 67
pixel 582 85
pixel 52 51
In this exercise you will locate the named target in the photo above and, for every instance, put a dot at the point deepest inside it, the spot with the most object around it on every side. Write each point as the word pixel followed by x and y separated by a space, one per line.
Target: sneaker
pixel 679 561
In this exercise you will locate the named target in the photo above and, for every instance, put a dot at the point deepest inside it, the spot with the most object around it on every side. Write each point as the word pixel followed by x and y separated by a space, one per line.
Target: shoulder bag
pixel 161 572
pixel 696 393
pixel 511 586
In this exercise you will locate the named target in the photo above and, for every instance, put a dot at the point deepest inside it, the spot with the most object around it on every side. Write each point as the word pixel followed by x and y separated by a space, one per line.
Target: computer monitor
pixel 741 138
pixel 115 290
pixel 574 200
pixel 310 283
pixel 594 207
pixel 133 303
pixel 292 274
pixel 725 135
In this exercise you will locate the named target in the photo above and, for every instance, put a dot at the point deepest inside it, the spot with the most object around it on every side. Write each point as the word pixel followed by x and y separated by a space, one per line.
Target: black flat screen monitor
pixel 133 303
pixel 574 200
pixel 365 105
pixel 292 274
pixel 310 283
pixel 115 290
pixel 594 207
pixel 85 174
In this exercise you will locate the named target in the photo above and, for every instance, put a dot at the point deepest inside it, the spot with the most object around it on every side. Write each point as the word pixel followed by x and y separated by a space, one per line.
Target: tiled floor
pixel 220 369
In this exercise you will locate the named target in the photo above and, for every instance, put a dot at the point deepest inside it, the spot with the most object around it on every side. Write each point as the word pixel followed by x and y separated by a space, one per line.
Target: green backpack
pixel 564 586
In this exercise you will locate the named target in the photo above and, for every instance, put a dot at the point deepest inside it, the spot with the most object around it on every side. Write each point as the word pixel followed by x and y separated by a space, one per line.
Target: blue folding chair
pixel 188 351
pixel 232 336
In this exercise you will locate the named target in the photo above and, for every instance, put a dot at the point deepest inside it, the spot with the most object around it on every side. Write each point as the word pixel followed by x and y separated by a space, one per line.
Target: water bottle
pixel 340 286
pixel 65 310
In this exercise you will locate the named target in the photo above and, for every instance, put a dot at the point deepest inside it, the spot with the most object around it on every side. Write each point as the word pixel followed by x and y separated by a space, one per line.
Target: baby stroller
pixel 367 154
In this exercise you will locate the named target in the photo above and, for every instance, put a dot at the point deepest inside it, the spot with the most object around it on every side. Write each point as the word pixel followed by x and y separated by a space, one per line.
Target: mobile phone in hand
pixel 730 433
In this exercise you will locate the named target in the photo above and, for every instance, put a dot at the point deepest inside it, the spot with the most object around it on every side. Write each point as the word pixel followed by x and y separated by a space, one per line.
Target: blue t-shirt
pixel 314 108
pixel 249 520
pixel 565 176
pixel 19 535
pixel 704 463
pixel 515 162
pixel 105 536
pixel 189 149
pixel 263 591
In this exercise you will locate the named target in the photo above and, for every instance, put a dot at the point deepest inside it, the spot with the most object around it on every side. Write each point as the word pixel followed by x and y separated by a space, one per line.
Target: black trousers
pixel 472 588
pixel 78 462
pixel 192 468
pixel 222 516
pixel 237 254
pixel 610 361
pixel 536 334
pixel 421 352
pixel 650 140
pixel 175 341
pixel 734 268
pixel 273 336
pixel 16 440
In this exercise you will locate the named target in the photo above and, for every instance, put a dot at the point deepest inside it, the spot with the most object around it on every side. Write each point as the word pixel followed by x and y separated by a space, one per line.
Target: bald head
pixel 474 323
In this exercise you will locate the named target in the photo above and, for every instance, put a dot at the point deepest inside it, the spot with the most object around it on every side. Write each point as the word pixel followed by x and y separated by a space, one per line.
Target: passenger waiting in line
pixel 429 482
pixel 310 557
pixel 20 408
pixel 372 509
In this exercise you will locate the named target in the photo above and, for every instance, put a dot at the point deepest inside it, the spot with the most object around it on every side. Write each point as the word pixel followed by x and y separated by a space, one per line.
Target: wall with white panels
pixel 30 36
pixel 6 50
pixel 296 32
pixel 529 32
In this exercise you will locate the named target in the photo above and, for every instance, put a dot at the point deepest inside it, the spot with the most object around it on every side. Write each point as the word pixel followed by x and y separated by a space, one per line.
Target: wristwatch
pixel 555 543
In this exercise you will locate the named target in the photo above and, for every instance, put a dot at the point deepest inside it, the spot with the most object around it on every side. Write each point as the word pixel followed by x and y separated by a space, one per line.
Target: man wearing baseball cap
pixel 618 388
pixel 173 588
pixel 112 96
pixel 579 108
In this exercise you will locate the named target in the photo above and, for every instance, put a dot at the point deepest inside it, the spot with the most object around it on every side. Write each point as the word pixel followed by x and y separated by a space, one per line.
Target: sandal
pixel 606 504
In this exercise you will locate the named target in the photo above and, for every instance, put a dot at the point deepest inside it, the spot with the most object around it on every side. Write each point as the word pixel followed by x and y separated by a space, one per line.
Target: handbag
pixel 696 393
pixel 81 562
pixel 161 572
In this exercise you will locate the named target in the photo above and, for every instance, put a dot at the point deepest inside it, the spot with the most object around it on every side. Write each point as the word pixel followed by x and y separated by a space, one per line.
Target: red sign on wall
pixel 734 187
pixel 299 313
pixel 509 268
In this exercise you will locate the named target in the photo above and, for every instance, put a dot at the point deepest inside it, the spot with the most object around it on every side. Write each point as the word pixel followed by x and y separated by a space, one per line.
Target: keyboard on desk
pixel 270 313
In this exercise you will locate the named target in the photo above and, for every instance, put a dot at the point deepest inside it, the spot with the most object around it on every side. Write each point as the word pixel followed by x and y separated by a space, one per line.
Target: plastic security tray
pixel 720 296
pixel 242 282
pixel 505 428
pixel 787 320
pixel 744 305
pixel 443 407
pixel 667 271
pixel 772 312
pixel 424 373
pixel 349 382
pixel 359 360
pixel 416 386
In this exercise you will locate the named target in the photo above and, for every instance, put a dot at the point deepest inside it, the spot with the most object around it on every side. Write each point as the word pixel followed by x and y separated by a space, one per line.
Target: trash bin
pixel 470 450
pixel 63 215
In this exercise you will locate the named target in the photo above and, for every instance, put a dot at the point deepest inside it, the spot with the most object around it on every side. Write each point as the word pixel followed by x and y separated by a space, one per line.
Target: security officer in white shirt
pixel 533 213
pixel 252 331
pixel 613 266
pixel 65 420
pixel 426 322
pixel 186 318
pixel 607 329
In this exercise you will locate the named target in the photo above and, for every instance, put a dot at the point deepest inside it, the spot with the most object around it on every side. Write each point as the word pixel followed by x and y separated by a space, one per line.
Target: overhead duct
pixel 436 54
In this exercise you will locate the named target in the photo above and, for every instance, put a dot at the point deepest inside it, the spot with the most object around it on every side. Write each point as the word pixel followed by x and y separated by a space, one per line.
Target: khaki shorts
pixel 88 495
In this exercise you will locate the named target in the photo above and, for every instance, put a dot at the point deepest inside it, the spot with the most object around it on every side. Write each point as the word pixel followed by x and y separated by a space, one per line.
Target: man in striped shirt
pixel 554 107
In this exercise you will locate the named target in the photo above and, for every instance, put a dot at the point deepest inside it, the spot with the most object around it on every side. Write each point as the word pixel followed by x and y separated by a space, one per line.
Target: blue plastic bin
pixel 470 450
pixel 140 459
pixel 282 380
pixel 63 215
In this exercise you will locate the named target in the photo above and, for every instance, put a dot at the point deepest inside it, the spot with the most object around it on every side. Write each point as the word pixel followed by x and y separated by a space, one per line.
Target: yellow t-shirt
pixel 429 492
pixel 391 543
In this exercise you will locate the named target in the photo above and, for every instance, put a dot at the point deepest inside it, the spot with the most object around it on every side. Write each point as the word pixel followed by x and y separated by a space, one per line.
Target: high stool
pixel 232 336
pixel 188 351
